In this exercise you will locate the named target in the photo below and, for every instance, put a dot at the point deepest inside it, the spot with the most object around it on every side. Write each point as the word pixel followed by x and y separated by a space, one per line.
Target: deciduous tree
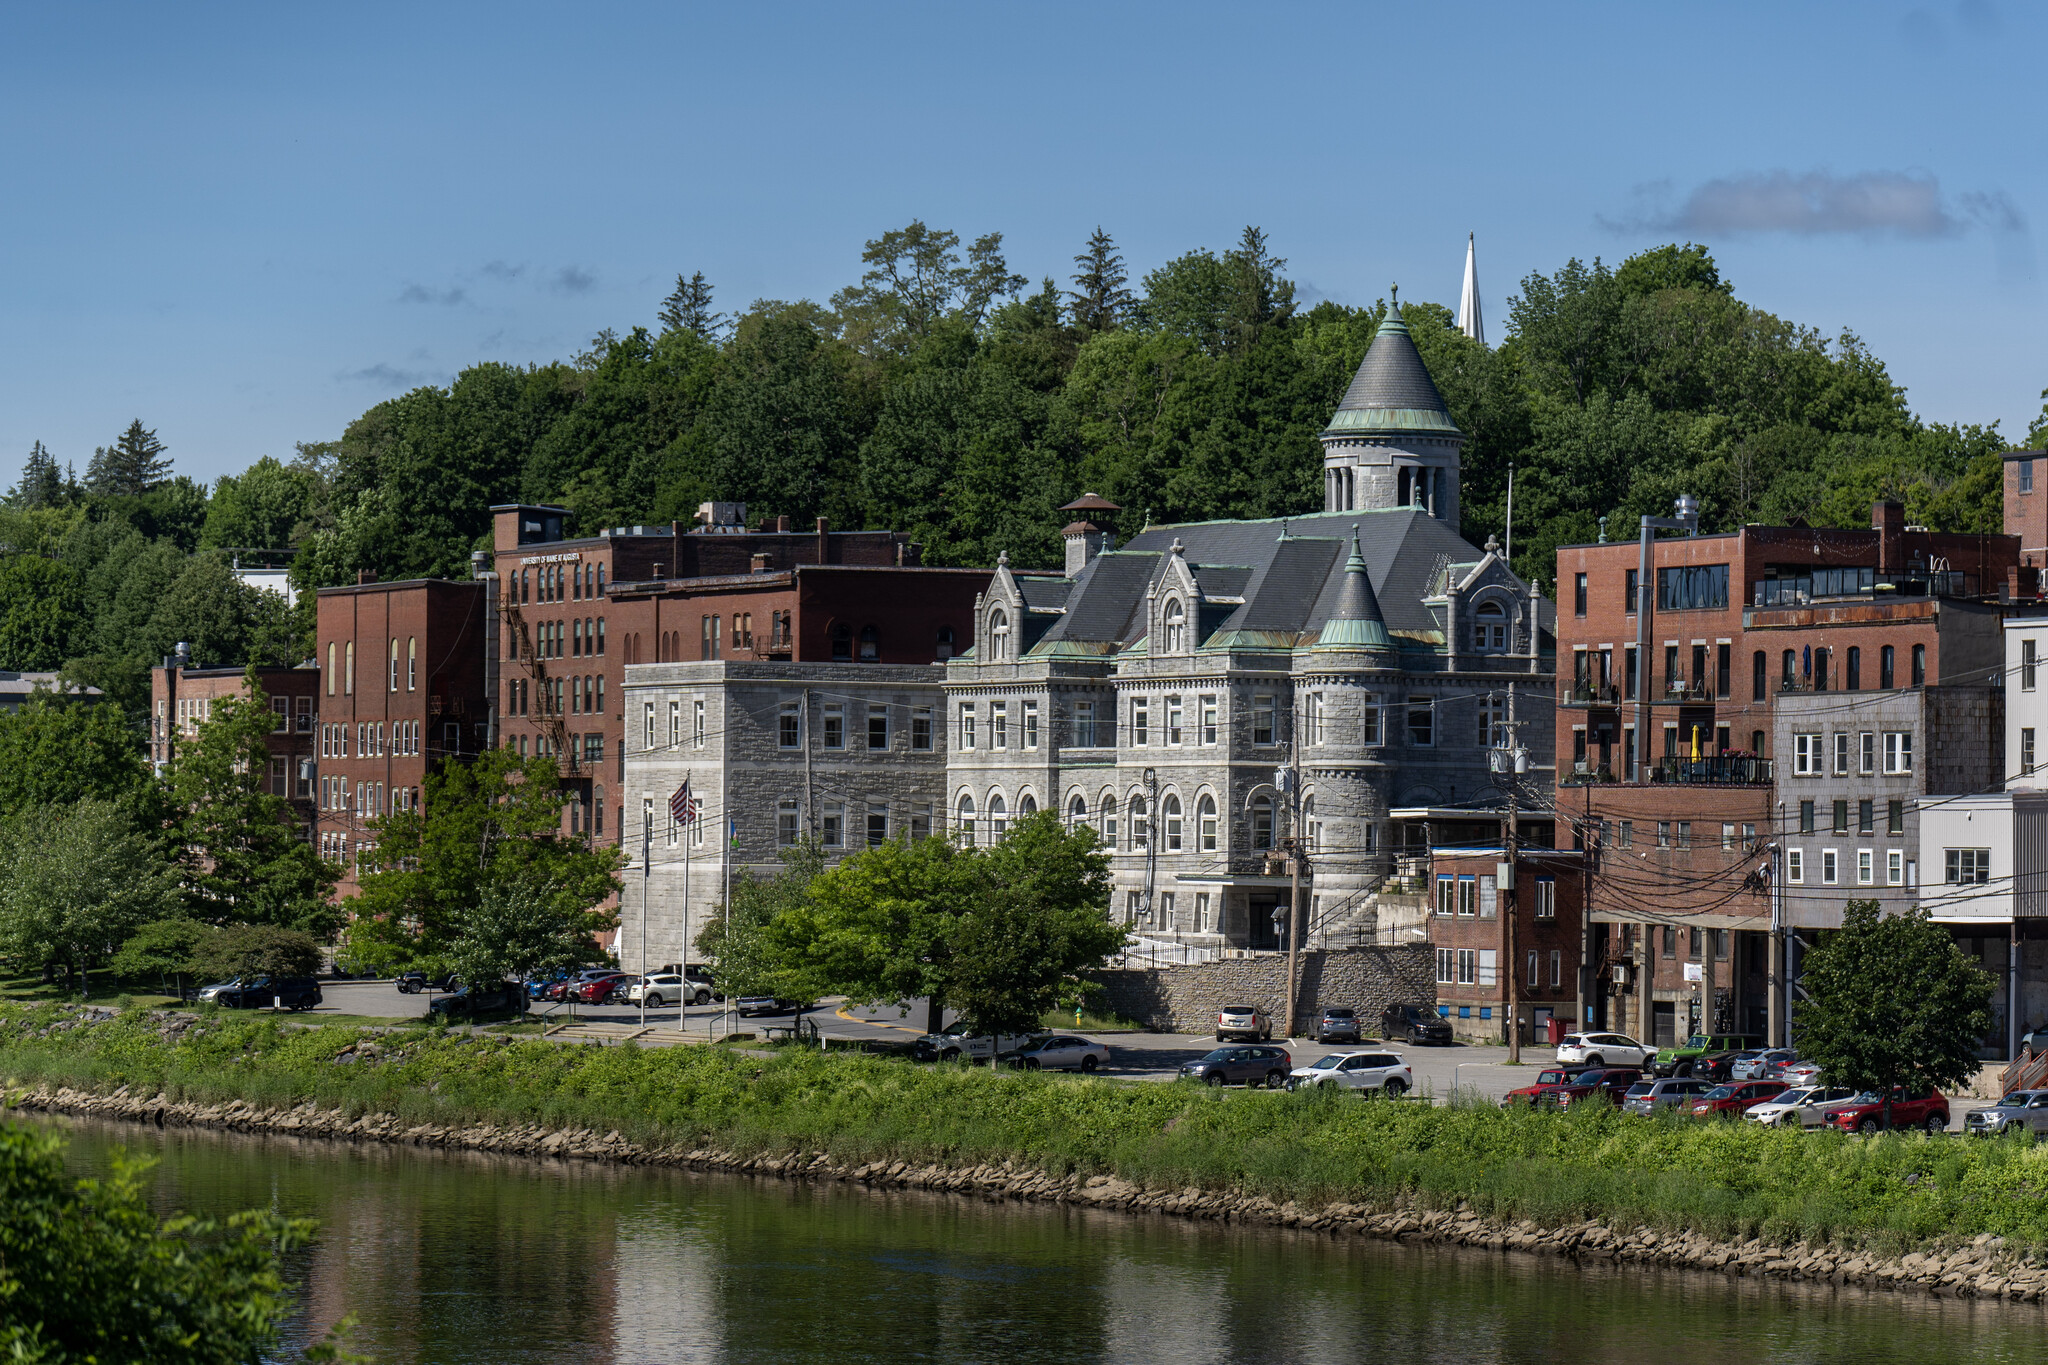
pixel 75 882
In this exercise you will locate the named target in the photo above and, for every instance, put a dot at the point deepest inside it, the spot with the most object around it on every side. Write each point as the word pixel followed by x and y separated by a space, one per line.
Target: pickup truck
pixel 949 1043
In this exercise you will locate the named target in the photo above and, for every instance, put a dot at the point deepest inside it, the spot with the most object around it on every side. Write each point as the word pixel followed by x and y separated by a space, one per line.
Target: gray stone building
pixel 1211 691
pixel 851 753
pixel 1852 769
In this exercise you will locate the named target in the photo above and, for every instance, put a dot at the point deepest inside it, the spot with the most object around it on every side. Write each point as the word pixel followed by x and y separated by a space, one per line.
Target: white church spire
pixel 1469 321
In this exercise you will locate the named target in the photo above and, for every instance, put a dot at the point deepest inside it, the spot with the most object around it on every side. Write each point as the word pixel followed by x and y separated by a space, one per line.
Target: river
pixel 467 1258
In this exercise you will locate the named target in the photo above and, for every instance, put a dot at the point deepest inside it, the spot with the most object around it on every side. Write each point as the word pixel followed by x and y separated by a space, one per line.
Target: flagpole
pixel 646 858
pixel 683 996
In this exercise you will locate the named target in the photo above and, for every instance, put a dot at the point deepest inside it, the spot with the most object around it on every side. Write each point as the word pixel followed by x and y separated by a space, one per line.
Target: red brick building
pixel 561 647
pixel 1469 927
pixel 2026 506
pixel 183 698
pixel 401 681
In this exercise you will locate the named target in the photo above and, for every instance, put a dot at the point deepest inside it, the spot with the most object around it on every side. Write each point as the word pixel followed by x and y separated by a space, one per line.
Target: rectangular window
pixel 1895 867
pixel 1827 867
pixel 1173 725
pixel 1446 967
pixel 1084 724
pixel 1546 898
pixel 2026 749
pixel 1808 758
pixel 1898 751
pixel 1866 750
pixel 1468 895
pixel 921 728
pixel 1446 895
pixel 1670 941
pixel 1919 665
pixel 1895 816
pixel 1209 719
pixel 1535 960
pixel 1694 587
pixel 789 728
pixel 1468 966
pixel 1556 968
pixel 1421 722
pixel 1727 835
pixel 834 831
pixel 1493 721
pixel 697 708
pixel 1141 721
pixel 1866 816
pixel 999 725
pixel 1315 718
pixel 1841 753
pixel 878 826
pixel 1031 725
pixel 1369 720
pixel 1966 866
pixel 1685 834
pixel 785 823
pixel 1723 667
pixel 1631 592
pixel 878 727
pixel 1663 834
pixel 835 725
pixel 1795 865
pixel 921 821
pixel 966 725
pixel 1865 867
pixel 1262 720
pixel 2028 663
pixel 2026 473
pixel 1578 594
pixel 675 724
pixel 1806 817
pixel 1625 834
pixel 1840 823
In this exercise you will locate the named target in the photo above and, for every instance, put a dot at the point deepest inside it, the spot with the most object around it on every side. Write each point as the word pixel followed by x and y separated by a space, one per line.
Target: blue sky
pixel 246 224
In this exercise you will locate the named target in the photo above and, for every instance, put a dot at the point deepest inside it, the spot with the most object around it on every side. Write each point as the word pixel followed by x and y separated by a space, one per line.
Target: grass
pixel 1089 1021
pixel 1727 1179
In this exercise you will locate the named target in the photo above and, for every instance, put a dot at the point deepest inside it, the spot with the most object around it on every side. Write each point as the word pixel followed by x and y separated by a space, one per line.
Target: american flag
pixel 681 808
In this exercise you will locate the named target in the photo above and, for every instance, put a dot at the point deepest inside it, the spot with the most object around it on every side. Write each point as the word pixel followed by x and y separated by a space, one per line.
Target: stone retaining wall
pixel 1983 1269
pixel 1184 999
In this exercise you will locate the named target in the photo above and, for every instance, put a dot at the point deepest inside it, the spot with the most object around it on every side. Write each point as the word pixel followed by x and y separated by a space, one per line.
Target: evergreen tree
pixel 1101 299
pixel 688 309
pixel 41 485
pixel 130 467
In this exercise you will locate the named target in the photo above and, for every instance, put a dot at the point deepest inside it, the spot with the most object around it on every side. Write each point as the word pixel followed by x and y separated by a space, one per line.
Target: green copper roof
pixel 1356 623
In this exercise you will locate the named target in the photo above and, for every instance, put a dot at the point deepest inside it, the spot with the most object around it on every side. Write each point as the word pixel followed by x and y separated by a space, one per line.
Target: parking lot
pixel 1478 1071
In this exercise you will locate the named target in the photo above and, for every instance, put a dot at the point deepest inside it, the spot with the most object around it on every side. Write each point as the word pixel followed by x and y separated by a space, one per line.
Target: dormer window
pixel 1490 628
pixel 998 635
pixel 1176 626
pixel 870 645
pixel 945 643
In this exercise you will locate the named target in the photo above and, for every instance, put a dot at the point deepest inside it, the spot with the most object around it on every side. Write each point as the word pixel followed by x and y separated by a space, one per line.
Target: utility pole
pixel 1291 779
pixel 1511 903
pixel 810 793
pixel 1151 839
pixel 646 861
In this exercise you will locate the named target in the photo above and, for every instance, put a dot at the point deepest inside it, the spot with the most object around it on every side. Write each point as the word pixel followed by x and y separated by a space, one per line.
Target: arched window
pixel 1171 810
pixel 1758 667
pixel 998 817
pixel 412 662
pixel 1886 665
pixel 575 639
pixel 1108 808
pixel 1176 626
pixel 998 635
pixel 945 648
pixel 870 644
pixel 1027 804
pixel 1852 672
pixel 1077 811
pixel 1311 828
pixel 1262 822
pixel 1140 833
pixel 1205 823
pixel 842 643
pixel 1791 662
pixel 348 675
pixel 1490 627
pixel 965 821
pixel 394 664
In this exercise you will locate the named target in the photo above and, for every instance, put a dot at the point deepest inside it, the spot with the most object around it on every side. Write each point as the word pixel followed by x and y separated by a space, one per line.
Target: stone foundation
pixel 1184 999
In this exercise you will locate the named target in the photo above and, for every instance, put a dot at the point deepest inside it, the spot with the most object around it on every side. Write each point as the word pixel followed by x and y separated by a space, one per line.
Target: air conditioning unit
pixel 1621 974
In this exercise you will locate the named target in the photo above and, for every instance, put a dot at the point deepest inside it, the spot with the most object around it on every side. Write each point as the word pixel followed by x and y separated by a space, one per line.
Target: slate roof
pixel 1392 390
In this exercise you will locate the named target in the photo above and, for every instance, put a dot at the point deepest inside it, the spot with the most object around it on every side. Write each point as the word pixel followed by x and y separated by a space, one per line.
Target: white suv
pixel 1603 1049
pixel 1381 1071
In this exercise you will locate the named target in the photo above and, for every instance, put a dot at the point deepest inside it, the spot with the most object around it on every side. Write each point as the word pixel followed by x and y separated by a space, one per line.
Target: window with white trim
pixel 1898 751
pixel 1966 866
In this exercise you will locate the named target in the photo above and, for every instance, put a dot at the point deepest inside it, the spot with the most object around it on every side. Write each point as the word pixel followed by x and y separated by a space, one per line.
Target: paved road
pixel 1481 1071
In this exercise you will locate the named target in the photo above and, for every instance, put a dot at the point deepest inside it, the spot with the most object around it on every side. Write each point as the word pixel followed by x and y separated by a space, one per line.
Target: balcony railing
pixel 1590 694
pixel 1730 770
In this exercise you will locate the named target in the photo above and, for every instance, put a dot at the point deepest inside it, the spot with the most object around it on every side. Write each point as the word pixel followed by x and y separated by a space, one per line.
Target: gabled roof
pixel 1392 390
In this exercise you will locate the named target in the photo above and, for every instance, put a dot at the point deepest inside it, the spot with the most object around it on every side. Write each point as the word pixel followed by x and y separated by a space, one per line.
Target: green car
pixel 1699 1045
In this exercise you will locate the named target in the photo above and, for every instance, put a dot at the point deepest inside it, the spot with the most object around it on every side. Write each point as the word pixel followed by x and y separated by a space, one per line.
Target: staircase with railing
pixel 2028 1071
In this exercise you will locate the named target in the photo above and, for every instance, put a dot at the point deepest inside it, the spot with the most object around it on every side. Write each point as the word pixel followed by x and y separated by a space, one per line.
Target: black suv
pixel 1338 1024
pixel 1255 1066
pixel 260 992
pixel 501 997
pixel 1414 1024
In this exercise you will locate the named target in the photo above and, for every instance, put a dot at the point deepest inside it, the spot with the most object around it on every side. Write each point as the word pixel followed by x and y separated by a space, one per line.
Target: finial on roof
pixel 1002 558
pixel 1493 545
pixel 1395 290
pixel 1356 622
pixel 1283 528
pixel 1176 547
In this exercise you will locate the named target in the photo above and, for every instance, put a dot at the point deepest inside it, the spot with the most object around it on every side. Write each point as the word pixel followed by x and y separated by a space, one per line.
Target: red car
pixel 1608 1084
pixel 597 990
pixel 1549 1078
pixel 1914 1108
pixel 1728 1101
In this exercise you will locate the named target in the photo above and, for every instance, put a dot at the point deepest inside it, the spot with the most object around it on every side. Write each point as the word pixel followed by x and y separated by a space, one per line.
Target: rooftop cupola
pixel 1084 538
pixel 1391 442
pixel 1355 622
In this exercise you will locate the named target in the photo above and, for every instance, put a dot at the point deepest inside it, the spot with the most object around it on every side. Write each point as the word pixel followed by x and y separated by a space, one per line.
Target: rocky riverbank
pixel 1984 1268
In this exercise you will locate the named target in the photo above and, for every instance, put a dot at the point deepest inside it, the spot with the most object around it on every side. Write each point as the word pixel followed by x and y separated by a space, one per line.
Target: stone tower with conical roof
pixel 1392 442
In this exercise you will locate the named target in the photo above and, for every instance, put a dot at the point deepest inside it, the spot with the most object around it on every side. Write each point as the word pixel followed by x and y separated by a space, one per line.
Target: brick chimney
pixel 763 562
pixel 824 541
pixel 782 524
pixel 1888 519
pixel 365 577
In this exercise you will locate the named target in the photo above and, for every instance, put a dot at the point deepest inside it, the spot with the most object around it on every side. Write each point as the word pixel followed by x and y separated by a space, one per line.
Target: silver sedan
pixel 1061 1052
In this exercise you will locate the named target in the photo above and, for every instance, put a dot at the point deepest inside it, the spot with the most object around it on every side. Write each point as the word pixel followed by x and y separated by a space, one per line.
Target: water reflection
pixel 468 1258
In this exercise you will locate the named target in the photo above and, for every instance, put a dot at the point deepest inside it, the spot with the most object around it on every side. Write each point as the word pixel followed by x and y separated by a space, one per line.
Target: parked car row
pixel 1418 1024
pixel 264 992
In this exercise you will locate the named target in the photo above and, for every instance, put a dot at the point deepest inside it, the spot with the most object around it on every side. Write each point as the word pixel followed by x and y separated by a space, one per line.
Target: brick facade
pixel 1469 937
pixel 182 699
